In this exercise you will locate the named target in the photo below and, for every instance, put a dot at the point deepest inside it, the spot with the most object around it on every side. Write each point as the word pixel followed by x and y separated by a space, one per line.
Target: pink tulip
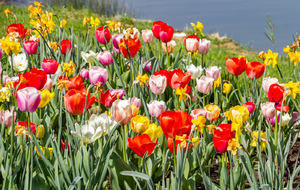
pixel 250 106
pixel 121 111
pixel 28 99
pixel 105 58
pixel 267 82
pixel 157 84
pixel 136 101
pixel 156 107
pixel 1 52
pixel 98 74
pixel 116 40
pixel 84 73
pixel 268 109
pixel 191 43
pixel 272 120
pixel 50 66
pixel 48 85
pixel 6 116
pixel 213 72
pixel 197 112
pixel 204 84
pixel 295 116
pixel 30 47
pixel 119 92
pixel 147 65
pixel 203 46
pixel 147 35
pixel 102 35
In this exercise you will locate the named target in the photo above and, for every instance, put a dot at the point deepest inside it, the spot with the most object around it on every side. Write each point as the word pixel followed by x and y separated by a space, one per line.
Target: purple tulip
pixel 120 92
pixel 98 74
pixel 28 99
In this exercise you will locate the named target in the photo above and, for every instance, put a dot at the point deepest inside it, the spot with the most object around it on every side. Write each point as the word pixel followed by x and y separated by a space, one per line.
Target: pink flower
pixel 147 66
pixel 147 35
pixel 268 109
pixel 115 41
pixel 157 84
pixel 119 92
pixel 250 106
pixel 6 116
pixel 267 82
pixel 191 43
pixel 98 74
pixel 156 107
pixel 105 58
pixel 204 84
pixel 48 85
pixel 121 111
pixel 213 72
pixel 30 47
pixel 102 35
pixel 84 73
pixel 203 46
pixel 28 99
pixel 197 112
pixel 136 101
pixel 50 66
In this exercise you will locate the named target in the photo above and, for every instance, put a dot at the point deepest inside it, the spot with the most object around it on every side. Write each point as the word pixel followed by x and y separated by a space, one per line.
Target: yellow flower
pixel 38 4
pixel 216 83
pixel 46 96
pixel 63 23
pixel 62 84
pixel 7 12
pixel 34 11
pixel 287 49
pixel 95 22
pixel 211 128
pixel 47 152
pixel 139 124
pixel 233 145
pixel 119 26
pixel 134 110
pixel 227 88
pixel 199 27
pixel 263 144
pixel 4 94
pixel 271 58
pixel 295 57
pixel 86 21
pixel 69 68
pixel 195 53
pixel 21 130
pixel 293 88
pixel 9 45
pixel 108 113
pixel 53 45
pixel 199 123
pixel 238 115
pixel 184 140
pixel 142 79
pixel 111 24
pixel 153 131
pixel 181 92
pixel 40 131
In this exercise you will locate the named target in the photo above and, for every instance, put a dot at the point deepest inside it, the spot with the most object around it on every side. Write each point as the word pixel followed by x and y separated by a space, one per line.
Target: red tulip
pixel 164 73
pixel 132 46
pixel 107 99
pixel 75 82
pixel 166 33
pixel 141 144
pixel 250 106
pixel 221 138
pixel 255 69
pixel 75 101
pixel 191 43
pixel 275 93
pixel 156 28
pixel 179 79
pixel 19 28
pixel 236 66
pixel 103 36
pixel 34 78
pixel 65 46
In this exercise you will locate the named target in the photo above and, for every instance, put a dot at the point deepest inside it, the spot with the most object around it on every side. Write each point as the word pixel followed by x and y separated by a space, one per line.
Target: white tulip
pixel 20 62
pixel 196 72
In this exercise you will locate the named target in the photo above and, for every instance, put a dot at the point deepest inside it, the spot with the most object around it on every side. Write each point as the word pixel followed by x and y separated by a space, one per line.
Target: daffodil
pixel 10 45
pixel 199 123
pixel 216 83
pixel 271 58
pixel 293 88
pixel 237 115
pixel 4 94
pixel 38 4
pixel 7 12
pixel 46 96
pixel 294 57
pixel 111 24
pixel 95 22
pixel 199 27
pixel 53 45
pixel 69 68
pixel 184 140
pixel 263 138
pixel 287 49
pixel 211 128
pixel 63 23
pixel 182 93
pixel 153 131
pixel 227 88
pixel 142 79
pixel 233 145
pixel 47 152
pixel 86 21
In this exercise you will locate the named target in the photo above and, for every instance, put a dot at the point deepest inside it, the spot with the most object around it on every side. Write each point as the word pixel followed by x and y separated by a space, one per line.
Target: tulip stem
pixel 99 98
pixel 12 130
pixel 168 58
pixel 203 100
pixel 174 153
pixel 124 145
pixel 276 129
pixel 202 61
pixel 238 88
pixel 159 48
pixel 280 73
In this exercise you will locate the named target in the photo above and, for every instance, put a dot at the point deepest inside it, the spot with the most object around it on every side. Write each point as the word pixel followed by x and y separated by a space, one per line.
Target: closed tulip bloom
pixel 268 109
pixel 157 84
pixel 250 106
pixel 255 69
pixel 197 112
pixel 275 93
pixel 98 74
pixel 267 82
pixel 212 112
pixel 204 46
pixel 40 131
pixel 121 111
pixel 139 124
pixel 28 99
pixel 116 40
pixel 191 43
pixel 75 101
pixel 103 36
pixel 30 47
pixel 105 58
pixel 236 66
pixel 50 66
pixel 7 117
pixel 178 79
pixel 65 46
pixel 237 114
pixel 222 137
pixel 147 35
pixel 213 72
pixel 153 131
pixel 107 98
pixel 156 107
pixel 166 33
pixel 170 48
pixel 119 92
pixel 46 96
pixel 35 78
pixel 84 73
pixel 133 32
pixel 195 72
pixel 204 84
pixel 227 88
pixel 134 110
pixel 75 83
pixel 141 144
pixel 147 66
pixel 136 101
pixel 156 28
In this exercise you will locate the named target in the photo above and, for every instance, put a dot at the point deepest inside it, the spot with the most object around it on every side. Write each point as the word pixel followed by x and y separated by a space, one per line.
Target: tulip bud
pixel 115 41
pixel 134 110
pixel 156 107
pixel 84 73
pixel 250 106
pixel 191 43
pixel 268 109
pixel 105 58
pixel 28 99
pixel 204 84
pixel 50 66
pixel 119 92
pixel 65 46
pixel 6 116
pixel 147 66
pixel 98 74
pixel 147 35
pixel 157 84
pixel 102 35
pixel 203 46
pixel 40 131
pixel 46 96
pixel 121 111
pixel 213 72
pixel 171 45
pixel 153 131
pixel 136 101
pixel 30 47
pixel 227 88
pixel 212 112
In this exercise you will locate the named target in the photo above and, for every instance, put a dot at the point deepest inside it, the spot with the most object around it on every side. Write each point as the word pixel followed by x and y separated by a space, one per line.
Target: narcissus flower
pixel 263 138
pixel 233 145
pixel 95 22
pixel 255 69
pixel 271 58
pixel 236 66
pixel 46 96
pixel 141 144
pixel 53 45
pixel 153 131
pixel 182 93
pixel 294 57
pixel 69 68
pixel 293 88
pixel 198 27
pixel 86 21
pixel 10 46
pixel 142 79
pixel 75 101
pixel 199 123
pixel 139 124
pixel 237 115
pixel 62 23
pixel 88 57
pixel 222 136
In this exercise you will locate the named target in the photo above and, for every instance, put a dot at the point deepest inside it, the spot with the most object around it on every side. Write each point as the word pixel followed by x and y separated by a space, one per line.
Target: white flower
pixel 94 128
pixel 285 119
pixel 134 32
pixel 55 76
pixel 20 62
pixel 87 57
pixel 196 72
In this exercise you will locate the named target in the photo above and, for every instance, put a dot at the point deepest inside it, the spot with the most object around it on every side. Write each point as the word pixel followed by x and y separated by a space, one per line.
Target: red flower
pixel 236 66
pixel 275 93
pixel 179 79
pixel 24 124
pixel 19 28
pixel 156 28
pixel 65 45
pixel 164 73
pixel 141 144
pixel 102 36
pixel 255 69
pixel 166 33
pixel 75 101
pixel 188 90
pixel 63 144
pixel 75 82
pixel 132 46
pixel 107 99
pixel 221 138
pixel 34 78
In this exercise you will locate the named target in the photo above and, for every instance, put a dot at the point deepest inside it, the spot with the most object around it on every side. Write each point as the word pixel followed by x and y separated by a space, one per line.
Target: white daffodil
pixel 20 62
pixel 196 72
pixel 87 57
pixel 285 119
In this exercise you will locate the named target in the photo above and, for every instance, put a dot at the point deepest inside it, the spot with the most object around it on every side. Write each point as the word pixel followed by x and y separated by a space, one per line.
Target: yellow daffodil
pixel 287 49
pixel 263 138
pixel 181 92
pixel 7 12
pixel 47 152
pixel 46 96
pixel 233 145
pixel 211 128
pixel 86 21
pixel 199 123
pixel 139 124
pixel 62 84
pixel 95 22
pixel 40 131
pixel 216 83
pixel 53 45
pixel 69 68
pixel 199 27
pixel 153 131
pixel 9 45
pixel 63 23
pixel 261 55
pixel 21 130
pixel 271 58
pixel 142 79
pixel 119 26
pixel 184 140
pixel 111 24
pixel 4 94
pixel 38 4
pixel 293 88
pixel 227 88
pixel 195 54
pixel 294 57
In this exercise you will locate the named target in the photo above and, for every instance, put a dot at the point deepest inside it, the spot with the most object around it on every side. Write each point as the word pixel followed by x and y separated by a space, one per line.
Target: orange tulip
pixel 141 144
pixel 75 101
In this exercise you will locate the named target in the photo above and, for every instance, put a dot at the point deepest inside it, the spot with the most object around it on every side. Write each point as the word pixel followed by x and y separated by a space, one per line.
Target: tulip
pixel 46 96
pixel 204 84
pixel 236 66
pixel 84 73
pixel 19 28
pixel 191 43
pixel 136 101
pixel 55 76
pixel 65 46
pixel 36 78
pixel 255 69
pixel 203 46
pixel 147 35
pixel 1 52
pixel 250 106
pixel 178 79
pixel 115 41
pixel 22 127
pixel 212 112
pixel 237 114
pixel 30 47
pixel 28 99
pixel 105 58
pixel 119 92
pixel 147 66
pixel 75 83
pixel 102 35
pixel 139 124
pixel 267 82
pixel 40 132
pixel 285 119
pixel 222 137
pixel 213 72
pixel 157 84
pixel 50 66
pixel 121 111
pixel 48 85
pixel 107 99
pixel 275 93
pixel 98 74
pixel 141 144
pixel 20 62
pixel 163 73
pixel 94 128
pixel 171 46
pixel 76 100
pixel 88 57
pixel 268 109
pixel 134 110
pixel 166 33
pixel 227 88
pixel 156 28
pixel 197 112
pixel 131 45
pixel 153 131
pixel 133 32
pixel 195 72
pixel 7 117
pixel 156 107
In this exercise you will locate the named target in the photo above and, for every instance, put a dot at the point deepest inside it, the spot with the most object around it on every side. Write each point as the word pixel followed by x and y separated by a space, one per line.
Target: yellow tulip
pixel 134 110
pixel 153 131
pixel 47 152
pixel 139 124
pixel 227 88
pixel 46 96
pixel 237 115
pixel 40 131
